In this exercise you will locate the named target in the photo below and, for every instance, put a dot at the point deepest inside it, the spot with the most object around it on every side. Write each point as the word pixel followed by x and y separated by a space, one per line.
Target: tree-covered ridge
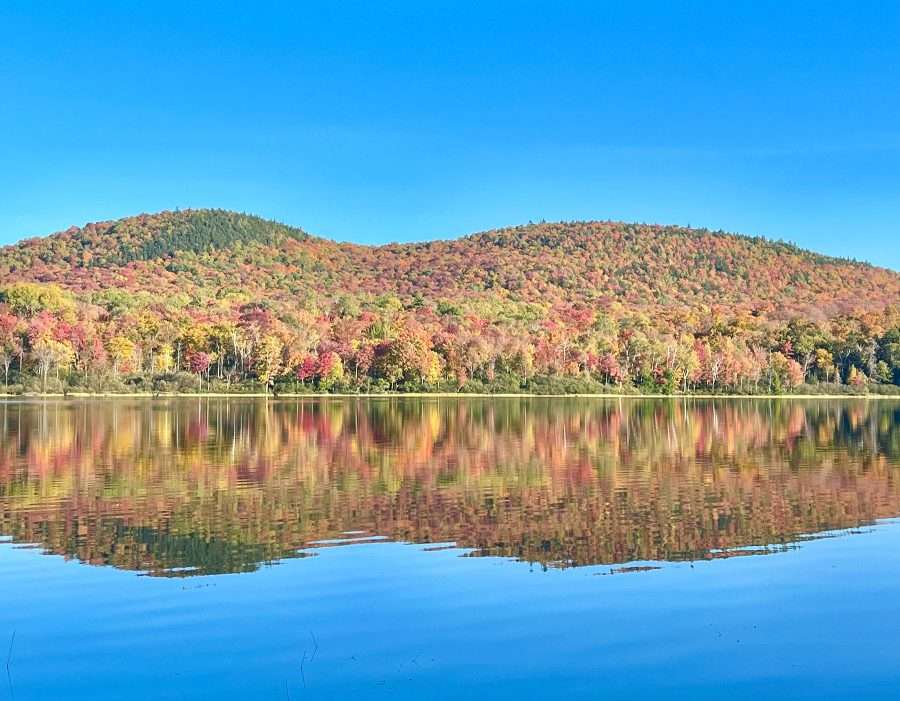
pixel 644 266
pixel 223 486
pixel 151 237
pixel 599 263
pixel 205 297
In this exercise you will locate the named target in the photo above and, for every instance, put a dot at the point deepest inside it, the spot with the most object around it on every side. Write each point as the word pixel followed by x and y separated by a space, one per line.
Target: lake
pixel 411 548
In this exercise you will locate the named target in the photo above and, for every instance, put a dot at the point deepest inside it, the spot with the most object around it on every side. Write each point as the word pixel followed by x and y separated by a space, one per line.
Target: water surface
pixel 450 548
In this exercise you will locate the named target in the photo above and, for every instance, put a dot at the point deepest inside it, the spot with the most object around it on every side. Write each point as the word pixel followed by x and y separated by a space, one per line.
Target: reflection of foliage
pixel 212 487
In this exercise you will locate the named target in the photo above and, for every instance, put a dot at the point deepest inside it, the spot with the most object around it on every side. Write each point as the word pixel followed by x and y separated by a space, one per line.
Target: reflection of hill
pixel 211 487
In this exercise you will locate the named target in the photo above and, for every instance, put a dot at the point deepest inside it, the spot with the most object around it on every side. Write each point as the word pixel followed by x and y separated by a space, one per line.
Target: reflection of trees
pixel 221 486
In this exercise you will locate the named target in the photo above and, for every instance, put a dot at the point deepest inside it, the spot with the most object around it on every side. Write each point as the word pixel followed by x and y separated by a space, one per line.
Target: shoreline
pixel 435 395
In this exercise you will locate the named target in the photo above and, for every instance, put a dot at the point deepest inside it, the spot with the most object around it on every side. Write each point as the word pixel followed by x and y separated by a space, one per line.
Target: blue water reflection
pixel 803 615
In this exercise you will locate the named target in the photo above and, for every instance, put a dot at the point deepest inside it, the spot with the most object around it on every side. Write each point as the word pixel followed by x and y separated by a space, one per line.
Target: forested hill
pixel 603 264
pixel 148 237
pixel 626 304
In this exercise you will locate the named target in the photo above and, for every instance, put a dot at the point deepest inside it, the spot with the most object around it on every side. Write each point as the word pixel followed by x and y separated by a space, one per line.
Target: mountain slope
pixel 600 263
pixel 148 237
pixel 557 297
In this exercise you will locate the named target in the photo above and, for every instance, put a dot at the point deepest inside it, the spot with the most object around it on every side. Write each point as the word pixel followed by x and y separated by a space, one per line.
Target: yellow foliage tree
pixel 121 350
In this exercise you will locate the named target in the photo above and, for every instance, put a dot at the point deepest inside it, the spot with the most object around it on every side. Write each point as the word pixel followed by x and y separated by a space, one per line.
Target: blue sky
pixel 376 122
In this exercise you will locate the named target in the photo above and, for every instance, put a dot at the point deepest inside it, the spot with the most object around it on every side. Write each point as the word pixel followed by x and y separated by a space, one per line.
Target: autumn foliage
pixel 179 300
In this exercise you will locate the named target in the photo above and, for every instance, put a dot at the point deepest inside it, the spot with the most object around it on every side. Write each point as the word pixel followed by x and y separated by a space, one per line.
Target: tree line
pixel 53 341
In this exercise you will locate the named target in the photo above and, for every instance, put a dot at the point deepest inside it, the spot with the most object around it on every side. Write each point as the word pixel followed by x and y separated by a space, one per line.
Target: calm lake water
pixel 450 549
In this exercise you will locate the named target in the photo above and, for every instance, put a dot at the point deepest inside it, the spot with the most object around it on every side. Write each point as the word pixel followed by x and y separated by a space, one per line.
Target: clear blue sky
pixel 429 119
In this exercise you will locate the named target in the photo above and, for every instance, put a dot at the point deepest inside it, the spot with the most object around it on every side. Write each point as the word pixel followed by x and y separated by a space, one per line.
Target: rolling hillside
pixel 636 306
